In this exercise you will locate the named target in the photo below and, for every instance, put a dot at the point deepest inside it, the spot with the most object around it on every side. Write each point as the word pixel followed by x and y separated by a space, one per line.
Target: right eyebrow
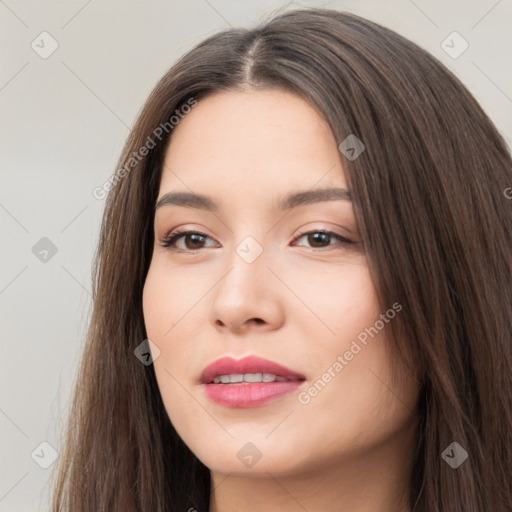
pixel 187 200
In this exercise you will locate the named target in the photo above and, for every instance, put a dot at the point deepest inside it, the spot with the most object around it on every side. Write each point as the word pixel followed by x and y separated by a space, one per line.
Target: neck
pixel 377 480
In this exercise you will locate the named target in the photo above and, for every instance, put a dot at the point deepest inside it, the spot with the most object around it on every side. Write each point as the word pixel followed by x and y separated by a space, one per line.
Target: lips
pixel 250 364
pixel 243 394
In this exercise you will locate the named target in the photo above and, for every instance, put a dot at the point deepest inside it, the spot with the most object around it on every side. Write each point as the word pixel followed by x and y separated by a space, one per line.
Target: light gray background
pixel 64 121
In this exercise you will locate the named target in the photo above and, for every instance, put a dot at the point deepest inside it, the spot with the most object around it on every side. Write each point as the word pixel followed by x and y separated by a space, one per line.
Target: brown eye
pixel 195 240
pixel 320 239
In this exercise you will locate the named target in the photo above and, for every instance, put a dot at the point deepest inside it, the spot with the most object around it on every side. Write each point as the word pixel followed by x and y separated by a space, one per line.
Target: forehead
pixel 244 141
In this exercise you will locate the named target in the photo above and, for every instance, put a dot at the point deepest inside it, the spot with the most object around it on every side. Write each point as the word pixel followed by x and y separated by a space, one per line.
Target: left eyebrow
pixel 202 202
pixel 313 196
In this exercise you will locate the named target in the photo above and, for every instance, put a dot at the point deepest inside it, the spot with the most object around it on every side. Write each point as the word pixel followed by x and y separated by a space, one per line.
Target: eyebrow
pixel 202 202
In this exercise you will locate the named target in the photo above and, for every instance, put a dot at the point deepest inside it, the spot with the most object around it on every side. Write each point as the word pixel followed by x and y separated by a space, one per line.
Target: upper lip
pixel 250 364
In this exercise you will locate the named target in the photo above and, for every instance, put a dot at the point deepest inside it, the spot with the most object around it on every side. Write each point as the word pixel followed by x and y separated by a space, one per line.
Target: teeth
pixel 253 377
pixel 247 377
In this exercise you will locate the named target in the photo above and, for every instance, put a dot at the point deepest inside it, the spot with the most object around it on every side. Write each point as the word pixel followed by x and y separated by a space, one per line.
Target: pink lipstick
pixel 248 382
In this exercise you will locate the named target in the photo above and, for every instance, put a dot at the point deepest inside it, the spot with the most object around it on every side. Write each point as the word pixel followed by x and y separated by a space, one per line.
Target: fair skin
pixel 300 304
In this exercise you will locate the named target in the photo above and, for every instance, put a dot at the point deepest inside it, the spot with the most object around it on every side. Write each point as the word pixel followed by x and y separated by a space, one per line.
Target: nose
pixel 247 297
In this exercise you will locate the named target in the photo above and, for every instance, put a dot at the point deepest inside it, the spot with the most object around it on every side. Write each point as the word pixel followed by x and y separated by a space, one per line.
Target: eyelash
pixel 175 235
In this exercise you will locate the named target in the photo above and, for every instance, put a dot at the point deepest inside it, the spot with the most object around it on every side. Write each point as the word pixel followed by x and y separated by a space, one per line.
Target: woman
pixel 302 294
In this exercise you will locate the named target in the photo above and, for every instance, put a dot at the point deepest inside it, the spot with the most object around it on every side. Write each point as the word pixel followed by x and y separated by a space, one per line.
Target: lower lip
pixel 249 395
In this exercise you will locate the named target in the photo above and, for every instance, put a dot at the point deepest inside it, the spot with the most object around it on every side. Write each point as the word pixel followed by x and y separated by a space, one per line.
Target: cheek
pixel 154 302
pixel 344 300
pixel 352 362
pixel 164 301
pixel 167 305
pixel 162 307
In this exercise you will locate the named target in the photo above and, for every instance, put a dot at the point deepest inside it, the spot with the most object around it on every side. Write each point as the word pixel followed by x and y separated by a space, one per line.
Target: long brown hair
pixel 428 193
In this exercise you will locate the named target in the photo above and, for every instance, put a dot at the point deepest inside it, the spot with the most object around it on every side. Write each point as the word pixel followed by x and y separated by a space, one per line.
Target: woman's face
pixel 251 284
